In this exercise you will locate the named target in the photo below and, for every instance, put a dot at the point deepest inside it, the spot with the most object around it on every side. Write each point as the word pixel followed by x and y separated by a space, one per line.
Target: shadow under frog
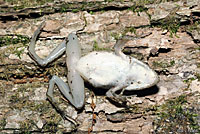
pixel 114 71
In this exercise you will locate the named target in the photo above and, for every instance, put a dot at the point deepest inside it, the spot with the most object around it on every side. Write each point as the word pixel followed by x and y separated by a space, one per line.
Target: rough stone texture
pixel 23 84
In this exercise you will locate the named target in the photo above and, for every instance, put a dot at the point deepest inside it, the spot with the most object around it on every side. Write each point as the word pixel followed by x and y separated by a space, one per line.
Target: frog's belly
pixel 103 69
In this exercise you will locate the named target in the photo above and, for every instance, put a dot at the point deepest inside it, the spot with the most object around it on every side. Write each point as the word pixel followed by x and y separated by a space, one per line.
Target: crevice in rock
pixel 195 40
pixel 164 72
pixel 9 71
pixel 196 14
pixel 109 8
pixel 164 50
pixel 141 93
pixel 35 12
pixel 121 117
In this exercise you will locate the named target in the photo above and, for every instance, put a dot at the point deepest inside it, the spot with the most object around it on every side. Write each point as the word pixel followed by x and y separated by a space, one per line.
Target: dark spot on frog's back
pixel 139 82
pixel 131 82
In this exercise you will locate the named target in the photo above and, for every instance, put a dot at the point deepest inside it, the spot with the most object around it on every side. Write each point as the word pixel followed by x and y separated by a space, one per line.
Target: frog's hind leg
pixel 57 52
pixel 74 89
pixel 65 90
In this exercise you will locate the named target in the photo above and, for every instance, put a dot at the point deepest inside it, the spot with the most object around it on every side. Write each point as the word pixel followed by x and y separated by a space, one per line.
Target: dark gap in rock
pixel 8 18
pixel 160 23
pixel 164 72
pixel 22 17
pixel 3 78
pixel 141 93
pixel 160 50
pixel 152 55
pixel 195 40
pixel 109 8
pixel 81 6
pixel 35 15
pixel 164 50
pixel 196 14
pixel 192 7
pixel 185 23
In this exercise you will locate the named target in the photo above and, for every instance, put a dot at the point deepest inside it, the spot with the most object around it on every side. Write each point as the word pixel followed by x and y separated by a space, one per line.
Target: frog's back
pixel 103 69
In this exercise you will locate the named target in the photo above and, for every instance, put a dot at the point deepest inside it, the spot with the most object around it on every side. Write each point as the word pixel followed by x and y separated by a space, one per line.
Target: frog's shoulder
pixel 97 56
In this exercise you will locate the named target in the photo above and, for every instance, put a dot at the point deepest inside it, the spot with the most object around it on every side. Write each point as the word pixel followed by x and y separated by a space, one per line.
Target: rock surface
pixel 171 48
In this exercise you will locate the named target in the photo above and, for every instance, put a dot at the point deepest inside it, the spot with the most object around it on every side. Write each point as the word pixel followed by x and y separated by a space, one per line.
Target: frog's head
pixel 72 36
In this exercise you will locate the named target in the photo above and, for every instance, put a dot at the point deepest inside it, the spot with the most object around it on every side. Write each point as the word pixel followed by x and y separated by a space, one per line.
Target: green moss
pixel 175 117
pixel 129 29
pixel 163 64
pixel 172 25
pixel 91 12
pixel 116 36
pixel 108 1
pixel 75 10
pixel 189 80
pixel 15 98
pixel 11 40
pixel 138 9
pixel 194 26
pixel 18 52
pixel 20 4
pixel 97 48
pixel 26 126
pixel 2 123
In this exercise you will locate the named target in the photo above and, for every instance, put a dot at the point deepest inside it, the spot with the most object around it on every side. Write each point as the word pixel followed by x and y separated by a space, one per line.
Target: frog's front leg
pixel 111 93
pixel 74 89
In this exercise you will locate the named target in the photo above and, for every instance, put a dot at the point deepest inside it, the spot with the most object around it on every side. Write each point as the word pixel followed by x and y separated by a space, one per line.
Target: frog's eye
pixel 72 36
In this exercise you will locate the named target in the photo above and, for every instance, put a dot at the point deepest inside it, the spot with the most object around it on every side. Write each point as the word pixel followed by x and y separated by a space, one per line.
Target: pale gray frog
pixel 110 70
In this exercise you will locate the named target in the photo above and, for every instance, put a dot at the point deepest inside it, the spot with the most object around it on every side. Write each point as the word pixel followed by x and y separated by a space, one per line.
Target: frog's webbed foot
pixel 61 112
pixel 65 90
pixel 119 98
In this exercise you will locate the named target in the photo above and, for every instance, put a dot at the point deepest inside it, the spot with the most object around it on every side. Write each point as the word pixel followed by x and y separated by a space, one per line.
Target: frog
pixel 113 71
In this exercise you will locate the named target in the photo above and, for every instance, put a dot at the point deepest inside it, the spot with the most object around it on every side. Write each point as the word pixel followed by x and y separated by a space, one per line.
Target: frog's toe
pixel 66 117
pixel 109 94
pixel 120 98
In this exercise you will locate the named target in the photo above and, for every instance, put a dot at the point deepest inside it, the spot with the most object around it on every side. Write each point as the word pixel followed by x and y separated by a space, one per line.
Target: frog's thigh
pixel 63 87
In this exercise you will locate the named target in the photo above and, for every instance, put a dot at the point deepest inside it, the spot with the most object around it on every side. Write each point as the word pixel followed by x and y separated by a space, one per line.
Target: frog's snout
pixel 66 40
